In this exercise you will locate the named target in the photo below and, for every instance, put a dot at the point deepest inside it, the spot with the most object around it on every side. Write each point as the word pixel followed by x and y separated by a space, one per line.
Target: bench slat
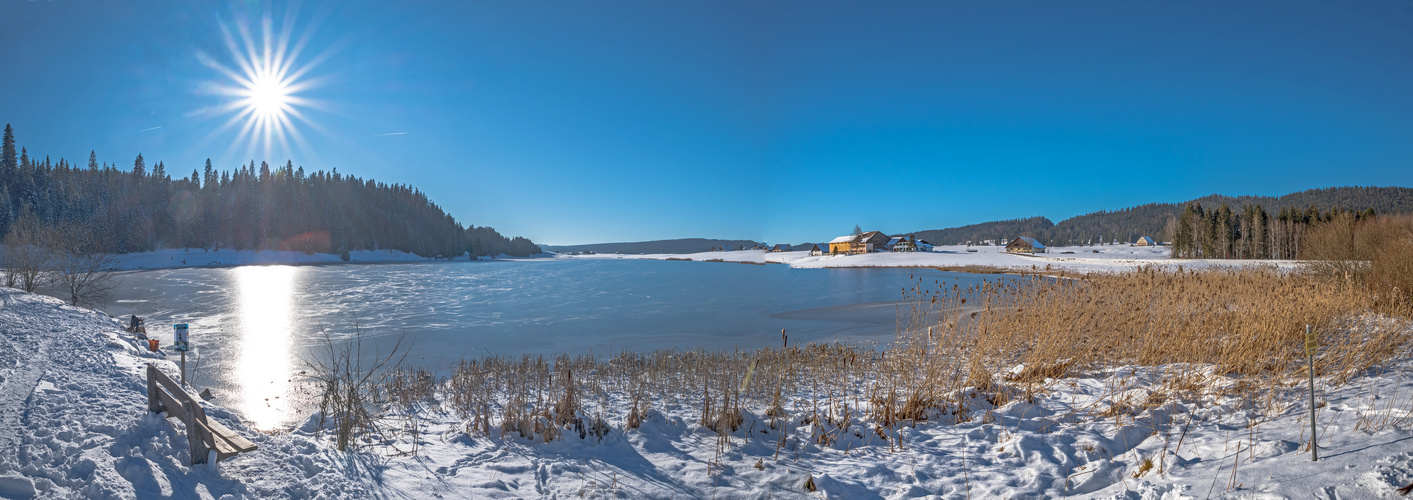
pixel 171 405
pixel 236 440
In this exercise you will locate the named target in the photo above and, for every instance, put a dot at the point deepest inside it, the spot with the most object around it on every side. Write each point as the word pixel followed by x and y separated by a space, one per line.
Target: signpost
pixel 180 343
pixel 1310 353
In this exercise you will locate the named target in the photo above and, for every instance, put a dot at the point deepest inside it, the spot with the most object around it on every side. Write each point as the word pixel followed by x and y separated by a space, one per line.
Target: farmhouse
pixel 1144 241
pixel 815 251
pixel 782 247
pixel 858 243
pixel 1025 244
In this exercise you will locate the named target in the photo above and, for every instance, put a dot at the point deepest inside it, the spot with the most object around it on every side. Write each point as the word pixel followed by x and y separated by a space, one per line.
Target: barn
pixel 858 243
pixel 1025 244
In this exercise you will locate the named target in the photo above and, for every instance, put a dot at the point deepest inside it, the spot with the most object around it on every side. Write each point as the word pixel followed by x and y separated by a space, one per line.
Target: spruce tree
pixel 8 162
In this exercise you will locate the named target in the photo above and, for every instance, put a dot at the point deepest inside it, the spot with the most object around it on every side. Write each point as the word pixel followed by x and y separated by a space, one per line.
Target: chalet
pixel 909 244
pixel 783 247
pixel 1025 244
pixel 871 241
pixel 815 251
pixel 1144 241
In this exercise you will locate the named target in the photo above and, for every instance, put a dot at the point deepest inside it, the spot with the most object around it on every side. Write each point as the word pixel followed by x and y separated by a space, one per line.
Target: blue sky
pixel 580 122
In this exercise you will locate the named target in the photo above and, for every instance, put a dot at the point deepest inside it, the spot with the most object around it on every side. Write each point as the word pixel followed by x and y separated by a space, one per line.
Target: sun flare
pixel 261 91
pixel 268 96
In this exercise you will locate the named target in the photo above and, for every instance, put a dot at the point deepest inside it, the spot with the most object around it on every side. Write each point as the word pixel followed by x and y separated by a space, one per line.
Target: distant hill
pixel 976 233
pixel 685 245
pixel 1151 220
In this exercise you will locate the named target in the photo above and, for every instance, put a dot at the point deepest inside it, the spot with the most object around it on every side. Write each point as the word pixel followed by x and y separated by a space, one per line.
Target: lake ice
pixel 253 325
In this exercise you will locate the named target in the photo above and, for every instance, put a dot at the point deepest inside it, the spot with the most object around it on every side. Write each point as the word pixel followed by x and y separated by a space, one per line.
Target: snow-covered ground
pixel 1081 259
pixel 73 423
pixel 191 257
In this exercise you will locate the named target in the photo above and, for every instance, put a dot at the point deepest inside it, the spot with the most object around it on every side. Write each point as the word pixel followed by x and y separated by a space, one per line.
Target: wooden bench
pixel 203 434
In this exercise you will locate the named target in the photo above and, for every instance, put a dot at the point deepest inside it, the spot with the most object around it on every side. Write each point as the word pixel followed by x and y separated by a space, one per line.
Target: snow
pixel 1080 259
pixel 73 423
pixel 191 257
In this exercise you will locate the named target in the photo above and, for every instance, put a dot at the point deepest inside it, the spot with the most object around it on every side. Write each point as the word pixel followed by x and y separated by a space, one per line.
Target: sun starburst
pixel 261 94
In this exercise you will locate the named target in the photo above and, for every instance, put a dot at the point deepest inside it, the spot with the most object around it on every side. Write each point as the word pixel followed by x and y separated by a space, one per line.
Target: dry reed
pixel 959 351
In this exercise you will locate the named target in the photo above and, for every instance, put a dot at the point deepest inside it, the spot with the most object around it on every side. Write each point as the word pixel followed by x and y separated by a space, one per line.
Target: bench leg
pixel 154 405
pixel 195 436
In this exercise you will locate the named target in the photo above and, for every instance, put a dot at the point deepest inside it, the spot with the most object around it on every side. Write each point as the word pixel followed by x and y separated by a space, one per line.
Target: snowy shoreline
pixel 985 259
pixel 189 258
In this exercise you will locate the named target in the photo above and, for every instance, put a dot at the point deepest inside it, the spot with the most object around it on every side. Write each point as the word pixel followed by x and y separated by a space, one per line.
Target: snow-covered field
pixel 73 423
pixel 1081 259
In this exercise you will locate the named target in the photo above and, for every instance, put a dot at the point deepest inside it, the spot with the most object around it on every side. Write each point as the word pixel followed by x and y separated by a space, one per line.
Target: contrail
pixel 390 133
pixel 148 129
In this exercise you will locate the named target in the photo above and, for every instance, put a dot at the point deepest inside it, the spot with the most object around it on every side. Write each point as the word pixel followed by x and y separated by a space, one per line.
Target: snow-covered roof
pixel 844 239
pixel 894 241
pixel 1031 242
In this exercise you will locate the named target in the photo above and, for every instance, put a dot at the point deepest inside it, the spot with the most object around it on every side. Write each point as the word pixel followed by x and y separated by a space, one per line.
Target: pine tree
pixel 139 167
pixel 8 161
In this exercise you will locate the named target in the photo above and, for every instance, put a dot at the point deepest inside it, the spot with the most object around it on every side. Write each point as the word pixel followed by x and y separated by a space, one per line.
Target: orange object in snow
pixel 152 344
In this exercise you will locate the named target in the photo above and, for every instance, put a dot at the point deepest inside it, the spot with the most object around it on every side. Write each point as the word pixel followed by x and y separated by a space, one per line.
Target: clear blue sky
pixel 579 122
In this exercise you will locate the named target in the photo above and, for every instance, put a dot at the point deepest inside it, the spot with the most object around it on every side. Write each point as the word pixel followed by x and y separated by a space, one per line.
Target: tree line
pixel 254 207
pixel 1251 233
pixel 1126 225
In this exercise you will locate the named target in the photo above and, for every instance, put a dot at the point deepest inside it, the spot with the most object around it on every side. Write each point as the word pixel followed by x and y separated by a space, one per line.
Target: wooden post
pixel 195 434
pixel 183 367
pixel 153 404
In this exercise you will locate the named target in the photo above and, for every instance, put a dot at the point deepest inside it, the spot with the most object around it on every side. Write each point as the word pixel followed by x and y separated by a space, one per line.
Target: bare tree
pixel 27 257
pixel 79 269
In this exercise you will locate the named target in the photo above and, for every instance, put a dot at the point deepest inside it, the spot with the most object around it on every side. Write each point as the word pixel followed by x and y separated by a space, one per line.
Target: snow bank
pixel 1218 447
pixel 1082 259
pixel 191 257
pixel 74 421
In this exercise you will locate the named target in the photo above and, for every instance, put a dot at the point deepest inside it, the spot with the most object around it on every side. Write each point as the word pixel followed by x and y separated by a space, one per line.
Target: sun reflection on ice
pixel 266 295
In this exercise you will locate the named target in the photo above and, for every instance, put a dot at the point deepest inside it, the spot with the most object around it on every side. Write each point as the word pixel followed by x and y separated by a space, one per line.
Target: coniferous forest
pixel 1251 232
pixel 1157 220
pixel 256 207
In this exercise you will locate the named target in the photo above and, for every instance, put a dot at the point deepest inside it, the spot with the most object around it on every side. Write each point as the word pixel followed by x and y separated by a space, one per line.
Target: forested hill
pixel 977 233
pixel 1152 219
pixel 254 207
pixel 685 245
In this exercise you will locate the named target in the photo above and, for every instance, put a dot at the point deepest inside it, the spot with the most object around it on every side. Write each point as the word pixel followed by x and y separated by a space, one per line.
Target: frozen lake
pixel 252 325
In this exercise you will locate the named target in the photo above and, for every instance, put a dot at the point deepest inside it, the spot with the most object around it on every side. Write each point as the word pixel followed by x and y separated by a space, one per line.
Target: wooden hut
pixel 1025 244
pixel 782 247
pixel 1144 241
pixel 815 251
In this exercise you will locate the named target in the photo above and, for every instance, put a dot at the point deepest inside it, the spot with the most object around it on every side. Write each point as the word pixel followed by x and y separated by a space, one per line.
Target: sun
pixel 262 86
pixel 268 96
